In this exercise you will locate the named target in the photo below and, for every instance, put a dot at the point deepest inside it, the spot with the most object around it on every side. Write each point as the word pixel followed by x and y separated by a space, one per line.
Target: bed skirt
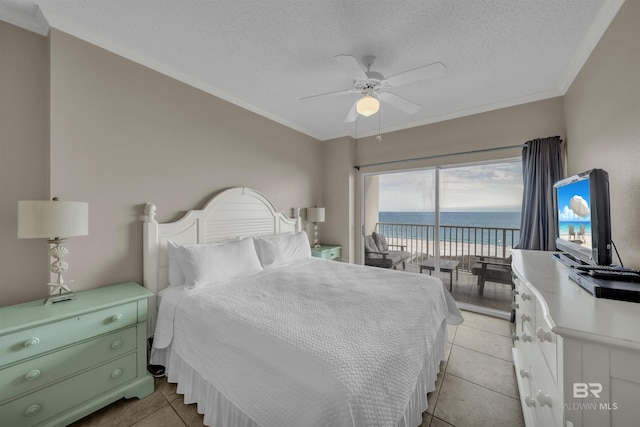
pixel 219 412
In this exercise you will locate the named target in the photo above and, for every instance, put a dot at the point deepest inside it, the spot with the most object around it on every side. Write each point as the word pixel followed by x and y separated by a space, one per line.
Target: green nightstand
pixel 327 252
pixel 61 362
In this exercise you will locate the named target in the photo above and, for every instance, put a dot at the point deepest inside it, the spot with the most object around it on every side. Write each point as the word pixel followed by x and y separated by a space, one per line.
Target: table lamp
pixel 54 220
pixel 315 215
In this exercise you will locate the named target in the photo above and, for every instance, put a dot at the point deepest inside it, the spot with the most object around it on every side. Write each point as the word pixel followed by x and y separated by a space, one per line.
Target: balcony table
pixel 446 266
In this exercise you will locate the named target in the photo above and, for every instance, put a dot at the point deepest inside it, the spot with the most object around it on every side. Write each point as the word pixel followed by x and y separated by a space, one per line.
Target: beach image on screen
pixel 574 213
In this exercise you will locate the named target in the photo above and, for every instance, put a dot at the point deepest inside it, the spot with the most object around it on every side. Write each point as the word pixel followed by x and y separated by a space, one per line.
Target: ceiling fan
pixel 374 87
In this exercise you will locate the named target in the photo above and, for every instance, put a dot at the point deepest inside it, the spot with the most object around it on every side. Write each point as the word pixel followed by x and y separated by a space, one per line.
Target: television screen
pixel 583 228
pixel 574 213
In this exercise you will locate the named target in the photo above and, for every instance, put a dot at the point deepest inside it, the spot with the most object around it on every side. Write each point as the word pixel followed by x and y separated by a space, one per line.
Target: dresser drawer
pixel 37 372
pixel 327 252
pixel 524 317
pixel 523 377
pixel 523 372
pixel 548 401
pixel 548 343
pixel 332 253
pixel 525 297
pixel 48 402
pixel 526 343
pixel 35 341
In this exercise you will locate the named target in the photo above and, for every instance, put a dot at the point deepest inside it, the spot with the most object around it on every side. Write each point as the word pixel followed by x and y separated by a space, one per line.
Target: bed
pixel 259 333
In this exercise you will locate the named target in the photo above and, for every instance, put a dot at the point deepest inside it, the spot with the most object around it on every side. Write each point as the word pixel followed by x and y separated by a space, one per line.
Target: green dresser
pixel 61 362
pixel 327 252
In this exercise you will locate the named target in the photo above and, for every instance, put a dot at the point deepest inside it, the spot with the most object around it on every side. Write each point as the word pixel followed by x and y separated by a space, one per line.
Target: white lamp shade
pixel 315 214
pixel 52 218
pixel 367 105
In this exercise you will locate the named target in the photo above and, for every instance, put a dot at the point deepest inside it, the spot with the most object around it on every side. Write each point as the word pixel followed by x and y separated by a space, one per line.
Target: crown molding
pixel 91 37
pixel 36 23
pixel 605 16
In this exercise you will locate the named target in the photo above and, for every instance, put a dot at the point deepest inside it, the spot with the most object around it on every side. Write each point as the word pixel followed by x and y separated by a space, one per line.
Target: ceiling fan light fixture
pixel 367 105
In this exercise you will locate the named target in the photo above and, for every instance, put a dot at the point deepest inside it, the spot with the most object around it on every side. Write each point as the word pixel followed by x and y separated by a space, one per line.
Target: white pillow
pixel 282 248
pixel 213 263
pixel 176 275
pixel 178 257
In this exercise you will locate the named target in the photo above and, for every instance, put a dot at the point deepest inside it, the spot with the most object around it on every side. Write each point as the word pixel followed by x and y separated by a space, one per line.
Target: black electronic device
pixel 583 226
pixel 625 276
pixel 608 289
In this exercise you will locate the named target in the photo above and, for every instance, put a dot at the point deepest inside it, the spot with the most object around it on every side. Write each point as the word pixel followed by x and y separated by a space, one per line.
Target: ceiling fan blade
pixel 353 114
pixel 399 102
pixel 335 93
pixel 431 71
pixel 351 65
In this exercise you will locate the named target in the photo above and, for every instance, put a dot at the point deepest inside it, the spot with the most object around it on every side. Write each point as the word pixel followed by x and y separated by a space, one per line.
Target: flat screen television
pixel 584 221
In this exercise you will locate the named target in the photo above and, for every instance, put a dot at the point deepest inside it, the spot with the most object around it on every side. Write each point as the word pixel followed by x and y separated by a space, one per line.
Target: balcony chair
pixel 491 269
pixel 378 254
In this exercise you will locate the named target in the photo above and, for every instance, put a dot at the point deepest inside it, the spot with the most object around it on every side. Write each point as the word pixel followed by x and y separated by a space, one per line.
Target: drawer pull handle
pixel 529 401
pixel 116 344
pixel 526 337
pixel 32 375
pixel 515 305
pixel 525 318
pixel 116 318
pixel 524 374
pixel 525 296
pixel 544 399
pixel 32 410
pixel 544 335
pixel 515 337
pixel 31 342
pixel 116 373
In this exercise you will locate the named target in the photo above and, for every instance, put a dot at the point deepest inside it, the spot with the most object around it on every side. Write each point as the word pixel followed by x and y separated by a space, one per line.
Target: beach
pixel 464 251
pixel 584 240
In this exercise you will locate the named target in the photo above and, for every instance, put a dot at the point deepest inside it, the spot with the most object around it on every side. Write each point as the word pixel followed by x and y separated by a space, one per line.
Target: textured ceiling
pixel 266 55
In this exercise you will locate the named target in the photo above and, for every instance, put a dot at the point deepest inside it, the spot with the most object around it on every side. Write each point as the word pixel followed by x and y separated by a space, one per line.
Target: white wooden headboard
pixel 234 212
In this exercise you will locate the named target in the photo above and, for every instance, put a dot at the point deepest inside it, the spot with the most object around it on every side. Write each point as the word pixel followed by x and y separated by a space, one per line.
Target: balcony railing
pixel 462 243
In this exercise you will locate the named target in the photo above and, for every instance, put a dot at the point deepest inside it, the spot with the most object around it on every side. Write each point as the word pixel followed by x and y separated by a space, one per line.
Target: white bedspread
pixel 315 342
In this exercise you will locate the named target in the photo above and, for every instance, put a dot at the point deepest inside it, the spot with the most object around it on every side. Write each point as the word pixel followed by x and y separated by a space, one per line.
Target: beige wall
pixel 494 129
pixel 602 110
pixel 339 195
pixel 499 128
pixel 24 159
pixel 122 135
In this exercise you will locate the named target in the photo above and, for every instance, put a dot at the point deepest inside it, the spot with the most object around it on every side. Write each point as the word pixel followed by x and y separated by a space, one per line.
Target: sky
pixel 494 187
pixel 566 193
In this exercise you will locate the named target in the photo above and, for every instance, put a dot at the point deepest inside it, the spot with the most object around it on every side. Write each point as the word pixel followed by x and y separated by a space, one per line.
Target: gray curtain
pixel 541 168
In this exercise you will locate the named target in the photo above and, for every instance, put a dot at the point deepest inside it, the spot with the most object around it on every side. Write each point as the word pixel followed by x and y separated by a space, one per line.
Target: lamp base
pixel 62 296
pixel 316 242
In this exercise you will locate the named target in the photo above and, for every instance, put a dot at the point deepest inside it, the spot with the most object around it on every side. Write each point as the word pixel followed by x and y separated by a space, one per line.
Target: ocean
pixel 464 220
pixel 460 219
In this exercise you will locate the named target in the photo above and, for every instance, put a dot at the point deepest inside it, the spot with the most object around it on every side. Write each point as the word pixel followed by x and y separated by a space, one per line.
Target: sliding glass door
pixel 452 222
pixel 480 223
pixel 401 206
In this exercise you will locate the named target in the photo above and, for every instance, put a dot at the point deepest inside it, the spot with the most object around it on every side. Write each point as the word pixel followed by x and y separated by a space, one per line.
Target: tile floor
pixel 476 387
